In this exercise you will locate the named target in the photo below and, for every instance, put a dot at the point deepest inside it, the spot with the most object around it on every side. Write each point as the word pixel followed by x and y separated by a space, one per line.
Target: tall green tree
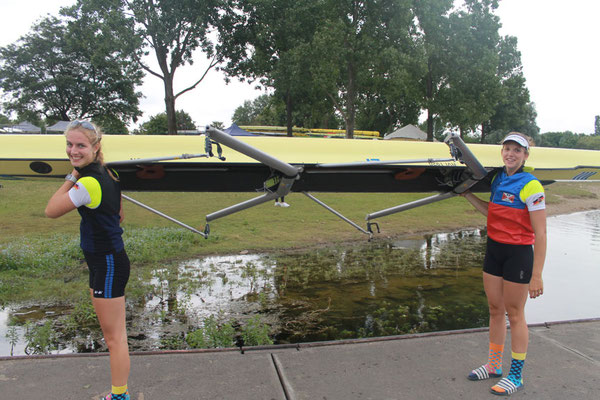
pixel 172 30
pixel 460 84
pixel 433 23
pixel 264 110
pixel 158 124
pixel 473 85
pixel 597 125
pixel 351 46
pixel 267 41
pixel 514 111
pixel 67 69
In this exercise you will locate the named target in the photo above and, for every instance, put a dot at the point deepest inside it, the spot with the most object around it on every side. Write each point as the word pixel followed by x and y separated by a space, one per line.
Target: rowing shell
pixel 328 165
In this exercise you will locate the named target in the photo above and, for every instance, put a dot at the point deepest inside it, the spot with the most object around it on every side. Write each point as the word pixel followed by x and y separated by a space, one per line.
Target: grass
pixel 305 223
pixel 40 257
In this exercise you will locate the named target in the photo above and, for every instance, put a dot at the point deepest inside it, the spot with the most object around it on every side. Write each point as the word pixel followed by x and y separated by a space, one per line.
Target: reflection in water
pixel 371 289
pixel 380 289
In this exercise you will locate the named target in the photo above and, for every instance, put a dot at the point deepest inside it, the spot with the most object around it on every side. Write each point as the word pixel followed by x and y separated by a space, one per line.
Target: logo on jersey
pixel 539 200
pixel 507 197
pixel 76 186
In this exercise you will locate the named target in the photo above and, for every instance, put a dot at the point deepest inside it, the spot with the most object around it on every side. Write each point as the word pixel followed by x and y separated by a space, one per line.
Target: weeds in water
pixel 255 332
pixel 13 338
pixel 371 261
pixel 32 263
pixel 221 335
pixel 40 339
pixel 212 335
pixel 83 315
pixel 289 286
pixel 175 342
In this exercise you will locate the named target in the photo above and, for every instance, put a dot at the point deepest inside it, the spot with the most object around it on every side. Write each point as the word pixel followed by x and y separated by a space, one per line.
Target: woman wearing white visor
pixel 514 259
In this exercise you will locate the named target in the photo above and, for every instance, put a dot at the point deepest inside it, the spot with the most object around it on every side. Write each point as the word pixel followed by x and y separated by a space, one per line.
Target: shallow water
pixel 371 289
pixel 571 272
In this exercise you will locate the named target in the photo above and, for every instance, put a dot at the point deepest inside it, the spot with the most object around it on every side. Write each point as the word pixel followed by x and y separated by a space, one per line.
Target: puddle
pixel 369 289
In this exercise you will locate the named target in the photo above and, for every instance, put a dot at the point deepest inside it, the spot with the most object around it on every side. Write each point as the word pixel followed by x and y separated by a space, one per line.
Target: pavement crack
pixel 285 386
pixel 562 346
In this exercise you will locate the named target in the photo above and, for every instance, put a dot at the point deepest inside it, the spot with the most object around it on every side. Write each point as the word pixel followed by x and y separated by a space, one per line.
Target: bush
pixel 212 335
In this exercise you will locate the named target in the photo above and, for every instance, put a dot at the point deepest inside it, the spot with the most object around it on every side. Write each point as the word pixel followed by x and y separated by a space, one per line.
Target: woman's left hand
pixel 536 287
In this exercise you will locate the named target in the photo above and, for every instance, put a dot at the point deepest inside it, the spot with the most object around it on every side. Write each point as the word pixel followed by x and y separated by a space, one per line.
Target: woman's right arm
pixel 480 205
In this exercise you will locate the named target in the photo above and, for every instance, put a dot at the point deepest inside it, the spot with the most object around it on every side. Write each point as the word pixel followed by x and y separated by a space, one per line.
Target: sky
pixel 558 41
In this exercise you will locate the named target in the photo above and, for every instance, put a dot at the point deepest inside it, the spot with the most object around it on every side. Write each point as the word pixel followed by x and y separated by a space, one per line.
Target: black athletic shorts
pixel 513 262
pixel 109 273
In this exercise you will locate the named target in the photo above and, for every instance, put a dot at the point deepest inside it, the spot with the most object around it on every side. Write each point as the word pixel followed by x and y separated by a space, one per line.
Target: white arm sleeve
pixel 79 195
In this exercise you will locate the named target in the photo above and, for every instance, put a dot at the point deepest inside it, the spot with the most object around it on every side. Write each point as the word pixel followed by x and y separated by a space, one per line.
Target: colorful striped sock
pixel 493 369
pixel 514 380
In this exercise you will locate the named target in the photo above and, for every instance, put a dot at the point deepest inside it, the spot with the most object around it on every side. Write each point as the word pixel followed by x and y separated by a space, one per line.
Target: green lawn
pixel 39 257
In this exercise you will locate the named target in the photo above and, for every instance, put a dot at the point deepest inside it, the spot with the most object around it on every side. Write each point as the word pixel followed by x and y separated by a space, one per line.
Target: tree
pixel 244 114
pixel 473 86
pixel 158 124
pixel 514 110
pixel 352 46
pixel 434 26
pixel 264 110
pixel 65 69
pixel 267 41
pixel 218 125
pixel 4 120
pixel 172 29
pixel 460 84
pixel 567 139
pixel 597 125
pixel 590 142
pixel 111 125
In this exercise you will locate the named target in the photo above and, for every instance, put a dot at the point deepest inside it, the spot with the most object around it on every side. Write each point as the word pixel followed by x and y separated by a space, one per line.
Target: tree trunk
pixel 350 111
pixel 429 96
pixel 483 132
pixel 288 113
pixel 170 105
pixel 429 126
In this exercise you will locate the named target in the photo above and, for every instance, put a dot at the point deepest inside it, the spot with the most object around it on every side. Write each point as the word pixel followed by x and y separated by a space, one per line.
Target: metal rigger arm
pixel 138 161
pixel 289 172
pixel 460 152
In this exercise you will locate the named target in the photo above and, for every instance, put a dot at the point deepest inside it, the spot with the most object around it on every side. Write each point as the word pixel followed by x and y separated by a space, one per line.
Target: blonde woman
pixel 514 259
pixel 95 192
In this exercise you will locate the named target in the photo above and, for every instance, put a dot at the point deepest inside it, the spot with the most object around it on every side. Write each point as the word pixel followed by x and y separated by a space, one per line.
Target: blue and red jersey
pixel 511 200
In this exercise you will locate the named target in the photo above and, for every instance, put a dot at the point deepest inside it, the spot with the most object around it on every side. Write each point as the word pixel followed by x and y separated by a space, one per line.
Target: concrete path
pixel 563 363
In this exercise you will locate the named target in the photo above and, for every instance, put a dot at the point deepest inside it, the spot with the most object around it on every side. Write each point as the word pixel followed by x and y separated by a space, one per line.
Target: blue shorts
pixel 513 262
pixel 109 273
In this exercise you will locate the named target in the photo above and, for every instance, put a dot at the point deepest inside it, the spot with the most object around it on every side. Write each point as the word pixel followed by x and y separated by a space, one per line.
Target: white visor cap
pixel 516 138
